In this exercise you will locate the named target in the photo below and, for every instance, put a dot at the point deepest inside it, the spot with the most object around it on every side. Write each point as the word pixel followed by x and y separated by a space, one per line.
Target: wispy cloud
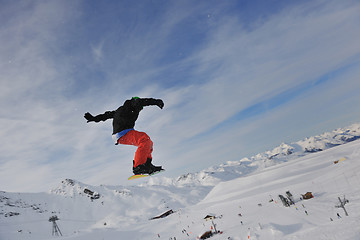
pixel 98 52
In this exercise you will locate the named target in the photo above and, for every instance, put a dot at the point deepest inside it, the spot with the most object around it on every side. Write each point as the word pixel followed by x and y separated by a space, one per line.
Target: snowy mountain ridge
pixel 283 153
pixel 234 169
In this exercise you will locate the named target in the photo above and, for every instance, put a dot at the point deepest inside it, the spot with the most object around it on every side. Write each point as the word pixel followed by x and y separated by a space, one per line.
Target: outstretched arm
pixel 101 117
pixel 143 102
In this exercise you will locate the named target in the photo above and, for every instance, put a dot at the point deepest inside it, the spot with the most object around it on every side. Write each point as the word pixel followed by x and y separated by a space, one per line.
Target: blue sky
pixel 237 78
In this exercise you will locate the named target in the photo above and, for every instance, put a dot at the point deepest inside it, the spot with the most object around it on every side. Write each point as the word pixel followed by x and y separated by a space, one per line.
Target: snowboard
pixel 144 175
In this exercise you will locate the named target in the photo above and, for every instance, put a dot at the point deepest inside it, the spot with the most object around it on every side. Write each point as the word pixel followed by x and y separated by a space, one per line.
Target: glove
pixel 160 103
pixel 89 117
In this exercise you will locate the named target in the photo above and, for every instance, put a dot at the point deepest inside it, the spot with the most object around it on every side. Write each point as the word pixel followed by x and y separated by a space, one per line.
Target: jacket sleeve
pixel 143 102
pixel 105 116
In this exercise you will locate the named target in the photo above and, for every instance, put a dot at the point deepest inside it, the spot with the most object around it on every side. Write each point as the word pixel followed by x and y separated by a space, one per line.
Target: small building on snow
pixel 209 217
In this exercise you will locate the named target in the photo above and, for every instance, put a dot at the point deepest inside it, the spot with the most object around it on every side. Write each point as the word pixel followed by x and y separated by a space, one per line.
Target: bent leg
pixel 142 141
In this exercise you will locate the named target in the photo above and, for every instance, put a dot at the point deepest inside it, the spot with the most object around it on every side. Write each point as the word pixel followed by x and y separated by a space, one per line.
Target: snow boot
pixel 140 169
pixel 152 167
pixel 146 168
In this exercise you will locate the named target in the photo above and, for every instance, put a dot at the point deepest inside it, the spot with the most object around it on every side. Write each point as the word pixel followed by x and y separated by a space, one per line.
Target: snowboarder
pixel 124 133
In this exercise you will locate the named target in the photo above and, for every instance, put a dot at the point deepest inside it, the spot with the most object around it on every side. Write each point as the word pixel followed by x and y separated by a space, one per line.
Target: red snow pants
pixel 140 140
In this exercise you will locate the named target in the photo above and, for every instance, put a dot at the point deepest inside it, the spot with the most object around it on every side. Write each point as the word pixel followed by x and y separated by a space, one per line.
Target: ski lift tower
pixel 55 228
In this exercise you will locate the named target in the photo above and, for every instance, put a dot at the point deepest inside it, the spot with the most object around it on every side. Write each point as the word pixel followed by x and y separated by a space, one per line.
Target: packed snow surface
pixel 240 198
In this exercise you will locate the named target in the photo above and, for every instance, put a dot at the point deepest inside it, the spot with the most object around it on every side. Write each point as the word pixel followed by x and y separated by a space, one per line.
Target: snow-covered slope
pixel 238 194
pixel 283 153
pixel 307 219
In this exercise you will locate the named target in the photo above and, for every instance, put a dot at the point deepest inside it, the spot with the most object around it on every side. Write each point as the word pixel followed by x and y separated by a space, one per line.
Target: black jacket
pixel 125 116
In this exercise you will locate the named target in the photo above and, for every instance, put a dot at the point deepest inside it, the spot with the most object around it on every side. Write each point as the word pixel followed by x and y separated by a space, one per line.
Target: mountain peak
pixel 69 187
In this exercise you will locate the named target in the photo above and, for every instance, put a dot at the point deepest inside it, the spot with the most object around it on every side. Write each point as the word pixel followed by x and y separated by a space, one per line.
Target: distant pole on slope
pixel 214 226
pixel 342 204
pixel 55 227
